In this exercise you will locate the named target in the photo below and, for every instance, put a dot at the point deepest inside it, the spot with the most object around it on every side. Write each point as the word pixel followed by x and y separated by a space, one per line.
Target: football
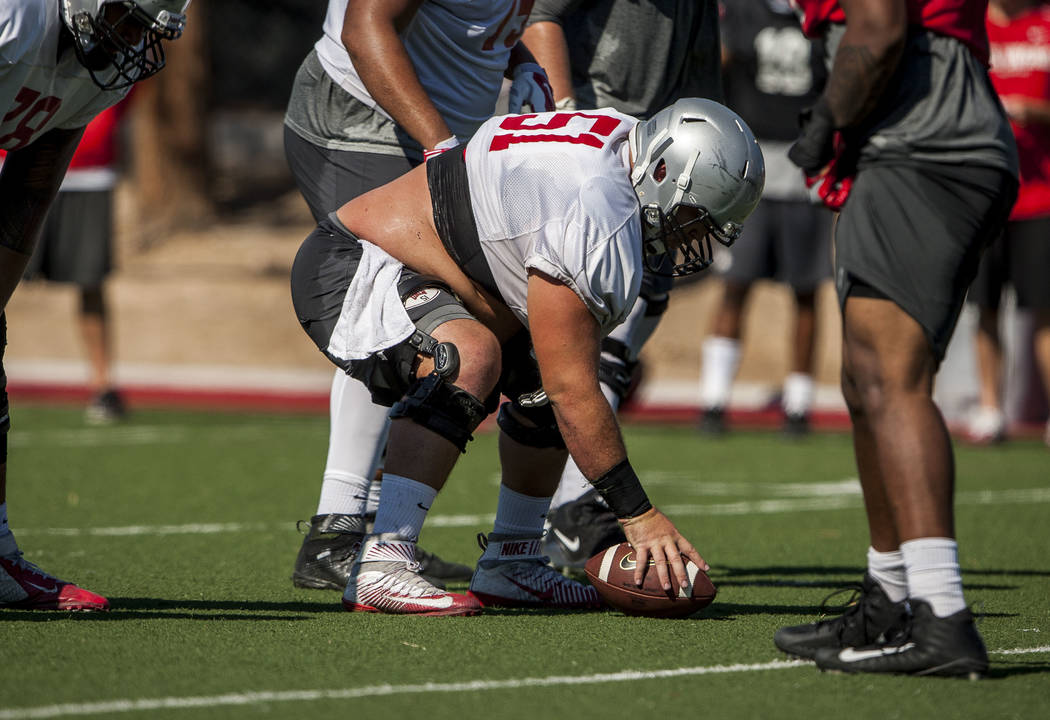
pixel 612 573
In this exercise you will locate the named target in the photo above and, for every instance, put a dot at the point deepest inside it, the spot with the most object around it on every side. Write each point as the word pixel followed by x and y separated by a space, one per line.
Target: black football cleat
pixel 949 646
pixel 795 425
pixel 713 421
pixel 328 551
pixel 870 617
pixel 578 530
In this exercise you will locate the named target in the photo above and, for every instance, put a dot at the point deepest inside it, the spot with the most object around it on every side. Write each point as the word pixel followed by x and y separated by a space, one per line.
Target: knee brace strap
pixel 438 405
pixel 543 434
pixel 617 375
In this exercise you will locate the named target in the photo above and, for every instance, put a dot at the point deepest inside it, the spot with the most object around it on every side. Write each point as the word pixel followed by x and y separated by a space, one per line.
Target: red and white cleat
pixel 386 579
pixel 512 573
pixel 25 586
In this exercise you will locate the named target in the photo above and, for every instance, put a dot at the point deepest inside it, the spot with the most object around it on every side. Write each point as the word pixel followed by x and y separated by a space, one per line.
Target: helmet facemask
pixel 120 44
pixel 687 245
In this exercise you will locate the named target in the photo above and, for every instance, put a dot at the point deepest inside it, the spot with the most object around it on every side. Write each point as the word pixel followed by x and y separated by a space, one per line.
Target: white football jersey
pixel 551 191
pixel 459 49
pixel 40 90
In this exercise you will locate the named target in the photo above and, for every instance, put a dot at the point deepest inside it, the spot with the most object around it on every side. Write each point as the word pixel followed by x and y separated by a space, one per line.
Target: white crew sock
pixel 520 515
pixel 798 393
pixel 887 569
pixel 932 565
pixel 403 506
pixel 720 359
pixel 343 494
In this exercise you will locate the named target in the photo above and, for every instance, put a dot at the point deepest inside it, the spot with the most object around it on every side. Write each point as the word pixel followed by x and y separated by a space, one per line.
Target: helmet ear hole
pixel 660 171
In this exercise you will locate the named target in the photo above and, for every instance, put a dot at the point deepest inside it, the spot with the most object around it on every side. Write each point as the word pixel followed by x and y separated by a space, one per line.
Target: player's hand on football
pixel 653 536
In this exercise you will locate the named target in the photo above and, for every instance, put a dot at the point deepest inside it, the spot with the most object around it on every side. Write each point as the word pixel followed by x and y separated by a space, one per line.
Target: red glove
pixel 836 180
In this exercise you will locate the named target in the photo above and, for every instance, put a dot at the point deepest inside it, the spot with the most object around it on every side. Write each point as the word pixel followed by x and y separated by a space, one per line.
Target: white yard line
pixel 251 698
pixel 745 507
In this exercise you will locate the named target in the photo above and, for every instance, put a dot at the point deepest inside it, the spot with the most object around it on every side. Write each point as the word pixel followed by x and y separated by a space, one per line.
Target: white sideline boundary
pixel 252 698
pixel 1024 496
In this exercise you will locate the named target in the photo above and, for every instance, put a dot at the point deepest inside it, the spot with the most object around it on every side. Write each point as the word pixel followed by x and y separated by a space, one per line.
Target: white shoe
pixel 386 579
pixel 987 426
pixel 512 573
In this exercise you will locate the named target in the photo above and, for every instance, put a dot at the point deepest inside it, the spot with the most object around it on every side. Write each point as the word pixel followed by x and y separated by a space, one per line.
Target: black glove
pixel 815 146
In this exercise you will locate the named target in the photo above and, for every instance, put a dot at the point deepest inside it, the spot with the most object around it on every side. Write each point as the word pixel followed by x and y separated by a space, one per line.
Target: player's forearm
pixel 588 427
pixel 866 58
pixel 390 78
pixel 546 41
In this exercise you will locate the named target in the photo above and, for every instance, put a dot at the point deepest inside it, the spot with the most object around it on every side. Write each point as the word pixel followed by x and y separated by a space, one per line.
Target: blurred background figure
pixel 771 72
pixel 1019 33
pixel 388 83
pixel 76 247
pixel 636 57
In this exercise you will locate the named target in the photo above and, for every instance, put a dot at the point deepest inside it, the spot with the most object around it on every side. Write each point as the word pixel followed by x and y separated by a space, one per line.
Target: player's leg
pixel 901 282
pixel 803 252
pixel 750 259
pixel 987 424
pixel 512 570
pixel 23 585
pixel 1029 257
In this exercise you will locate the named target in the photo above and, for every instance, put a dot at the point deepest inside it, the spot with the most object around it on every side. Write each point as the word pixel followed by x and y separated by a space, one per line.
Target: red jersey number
pixel 518 9
pixel 30 106
pixel 602 126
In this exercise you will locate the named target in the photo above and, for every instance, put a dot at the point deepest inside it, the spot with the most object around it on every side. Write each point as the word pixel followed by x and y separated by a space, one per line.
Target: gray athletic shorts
pixel 1019 257
pixel 75 244
pixel 784 240
pixel 914 234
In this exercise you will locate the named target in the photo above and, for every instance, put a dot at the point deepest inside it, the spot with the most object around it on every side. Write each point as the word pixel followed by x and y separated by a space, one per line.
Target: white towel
pixel 373 317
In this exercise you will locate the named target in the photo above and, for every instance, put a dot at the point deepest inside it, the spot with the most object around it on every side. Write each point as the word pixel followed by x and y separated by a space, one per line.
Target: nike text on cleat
pixel 579 530
pixel 25 586
pixel 386 579
pixel 869 617
pixel 512 573
pixel 929 645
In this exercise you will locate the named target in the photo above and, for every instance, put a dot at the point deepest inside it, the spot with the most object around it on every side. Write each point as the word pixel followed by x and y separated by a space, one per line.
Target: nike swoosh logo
pixel 854 655
pixel 41 588
pixel 541 595
pixel 573 544
pixel 422 507
pixel 439 602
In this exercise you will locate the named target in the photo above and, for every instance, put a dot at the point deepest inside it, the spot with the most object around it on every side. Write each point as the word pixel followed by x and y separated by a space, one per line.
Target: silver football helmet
pixel 119 41
pixel 700 154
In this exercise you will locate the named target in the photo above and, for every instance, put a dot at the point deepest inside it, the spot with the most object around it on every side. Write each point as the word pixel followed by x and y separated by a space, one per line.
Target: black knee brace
pixel 438 405
pixel 617 375
pixel 536 408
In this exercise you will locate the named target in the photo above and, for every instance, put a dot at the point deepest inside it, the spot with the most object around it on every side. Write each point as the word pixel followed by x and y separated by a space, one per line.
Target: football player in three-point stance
pixel 499 269
pixel 61 63
pixel 388 83
pixel 911 142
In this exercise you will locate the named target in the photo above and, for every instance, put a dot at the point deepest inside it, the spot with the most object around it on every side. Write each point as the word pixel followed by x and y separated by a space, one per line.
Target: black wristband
pixel 622 490
pixel 815 145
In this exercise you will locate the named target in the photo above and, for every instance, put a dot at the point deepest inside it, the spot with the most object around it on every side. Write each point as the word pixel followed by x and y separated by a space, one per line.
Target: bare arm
pixel 567 342
pixel 866 58
pixel 370 35
pixel 547 42
pixel 29 182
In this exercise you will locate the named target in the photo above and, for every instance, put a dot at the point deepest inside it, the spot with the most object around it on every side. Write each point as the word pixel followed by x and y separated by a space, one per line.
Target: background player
pixel 772 72
pixel 388 82
pixel 63 63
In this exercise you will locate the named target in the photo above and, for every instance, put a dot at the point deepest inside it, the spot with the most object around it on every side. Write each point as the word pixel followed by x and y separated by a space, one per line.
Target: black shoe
pixel 105 408
pixel 713 421
pixel 795 424
pixel 930 646
pixel 438 571
pixel 328 551
pixel 579 530
pixel 870 617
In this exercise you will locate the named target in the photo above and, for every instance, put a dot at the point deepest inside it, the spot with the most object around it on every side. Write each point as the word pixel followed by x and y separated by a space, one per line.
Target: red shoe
pixel 25 586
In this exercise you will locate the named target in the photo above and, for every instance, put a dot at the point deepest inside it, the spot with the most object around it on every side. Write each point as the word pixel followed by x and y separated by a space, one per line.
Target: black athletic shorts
pixel 1020 257
pixel 786 241
pixel 75 245
pixel 328 179
pixel 914 234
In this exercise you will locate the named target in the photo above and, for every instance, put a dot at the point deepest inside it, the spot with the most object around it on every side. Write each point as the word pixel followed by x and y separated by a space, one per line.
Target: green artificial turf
pixel 187 522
